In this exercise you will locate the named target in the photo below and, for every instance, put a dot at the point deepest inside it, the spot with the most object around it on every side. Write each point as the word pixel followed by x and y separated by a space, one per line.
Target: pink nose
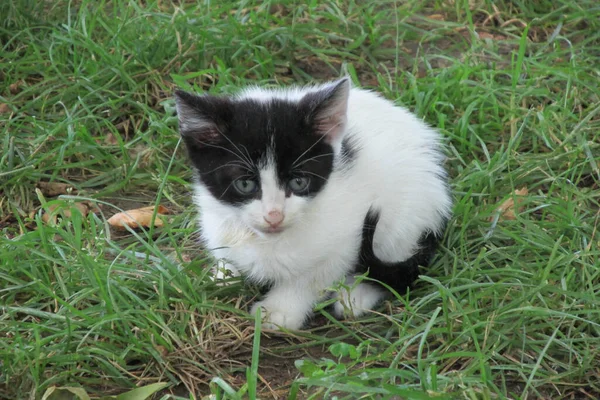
pixel 274 218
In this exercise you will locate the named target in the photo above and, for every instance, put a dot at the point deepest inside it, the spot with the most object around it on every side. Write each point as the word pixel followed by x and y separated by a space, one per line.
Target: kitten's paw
pixel 354 302
pixel 275 318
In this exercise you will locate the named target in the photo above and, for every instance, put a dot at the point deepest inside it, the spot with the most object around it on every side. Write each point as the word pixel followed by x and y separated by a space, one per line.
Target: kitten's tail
pixel 398 275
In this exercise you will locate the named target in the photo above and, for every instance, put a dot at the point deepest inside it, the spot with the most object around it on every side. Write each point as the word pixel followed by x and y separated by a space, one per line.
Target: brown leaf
pixel 52 189
pixel 492 36
pixel 141 217
pixel 111 139
pixel 437 17
pixel 51 215
pixel 507 209
pixel 15 88
pixel 4 108
pixel 162 350
pixel 93 207
pixel 278 9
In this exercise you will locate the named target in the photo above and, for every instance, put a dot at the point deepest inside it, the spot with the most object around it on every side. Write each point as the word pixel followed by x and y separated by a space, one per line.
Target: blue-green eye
pixel 298 184
pixel 245 186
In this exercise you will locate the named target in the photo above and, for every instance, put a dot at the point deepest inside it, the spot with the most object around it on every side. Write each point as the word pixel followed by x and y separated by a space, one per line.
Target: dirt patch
pixel 589 181
pixel 277 368
pixel 228 353
pixel 318 68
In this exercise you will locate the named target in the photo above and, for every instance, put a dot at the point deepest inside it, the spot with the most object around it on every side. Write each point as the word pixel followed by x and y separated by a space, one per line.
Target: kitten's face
pixel 265 159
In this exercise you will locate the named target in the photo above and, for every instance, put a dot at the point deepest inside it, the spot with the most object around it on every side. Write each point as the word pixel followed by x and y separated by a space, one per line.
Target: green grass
pixel 509 309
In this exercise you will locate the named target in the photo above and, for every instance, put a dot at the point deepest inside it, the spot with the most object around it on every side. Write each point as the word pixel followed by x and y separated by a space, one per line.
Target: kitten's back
pixel 398 159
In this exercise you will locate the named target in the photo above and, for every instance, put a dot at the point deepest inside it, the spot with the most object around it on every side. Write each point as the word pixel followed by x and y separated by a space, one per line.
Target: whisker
pixel 315 143
pixel 231 164
pixel 311 159
pixel 226 189
pixel 247 152
pixel 309 149
pixel 314 174
pixel 248 160
pixel 245 162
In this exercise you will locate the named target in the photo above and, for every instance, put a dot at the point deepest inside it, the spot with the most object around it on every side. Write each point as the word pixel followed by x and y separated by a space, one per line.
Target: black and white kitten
pixel 304 187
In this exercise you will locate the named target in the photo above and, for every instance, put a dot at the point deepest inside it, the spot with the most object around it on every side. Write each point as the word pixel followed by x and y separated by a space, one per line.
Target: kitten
pixel 304 187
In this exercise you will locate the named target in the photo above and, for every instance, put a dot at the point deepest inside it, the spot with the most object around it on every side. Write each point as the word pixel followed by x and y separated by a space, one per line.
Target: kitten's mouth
pixel 271 231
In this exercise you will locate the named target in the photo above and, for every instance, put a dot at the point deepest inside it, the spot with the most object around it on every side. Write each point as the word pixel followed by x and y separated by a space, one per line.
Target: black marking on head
pixel 202 118
pixel 398 275
pixel 349 151
pixel 327 109
pixel 229 139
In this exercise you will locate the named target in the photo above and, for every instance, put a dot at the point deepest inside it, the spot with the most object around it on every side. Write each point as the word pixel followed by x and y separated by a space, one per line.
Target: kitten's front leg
pixel 356 299
pixel 286 305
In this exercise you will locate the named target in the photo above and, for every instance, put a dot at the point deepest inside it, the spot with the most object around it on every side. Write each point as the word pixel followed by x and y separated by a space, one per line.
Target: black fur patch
pixel 398 275
pixel 349 151
pixel 249 134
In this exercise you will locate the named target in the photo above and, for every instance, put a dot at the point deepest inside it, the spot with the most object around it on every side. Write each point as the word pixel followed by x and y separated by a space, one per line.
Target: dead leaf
pixel 52 189
pixel 278 9
pixel 162 350
pixel 15 88
pixel 111 139
pixel 437 17
pixel 94 207
pixel 492 36
pixel 141 217
pixel 507 209
pixel 4 108
pixel 51 215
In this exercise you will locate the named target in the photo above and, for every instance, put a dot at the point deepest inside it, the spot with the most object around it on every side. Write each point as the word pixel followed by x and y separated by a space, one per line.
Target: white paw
pixel 356 301
pixel 274 317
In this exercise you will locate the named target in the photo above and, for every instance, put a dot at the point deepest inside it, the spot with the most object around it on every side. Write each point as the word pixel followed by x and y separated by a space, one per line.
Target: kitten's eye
pixel 245 186
pixel 298 184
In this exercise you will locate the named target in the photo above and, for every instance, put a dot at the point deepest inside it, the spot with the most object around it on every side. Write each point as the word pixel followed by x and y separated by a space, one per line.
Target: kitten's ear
pixel 327 109
pixel 202 119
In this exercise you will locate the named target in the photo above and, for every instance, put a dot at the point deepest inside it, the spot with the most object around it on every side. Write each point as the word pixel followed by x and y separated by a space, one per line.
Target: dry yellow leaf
pixel 507 209
pixel 141 217
pixel 437 17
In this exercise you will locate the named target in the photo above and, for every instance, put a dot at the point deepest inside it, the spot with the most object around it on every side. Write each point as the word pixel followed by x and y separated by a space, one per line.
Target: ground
pixel 510 306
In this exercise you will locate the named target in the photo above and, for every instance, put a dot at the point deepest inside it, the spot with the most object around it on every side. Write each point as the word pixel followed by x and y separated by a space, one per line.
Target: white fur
pixel 397 170
pixel 222 271
pixel 356 298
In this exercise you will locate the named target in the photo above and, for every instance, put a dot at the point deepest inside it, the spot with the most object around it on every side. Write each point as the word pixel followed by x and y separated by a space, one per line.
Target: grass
pixel 509 309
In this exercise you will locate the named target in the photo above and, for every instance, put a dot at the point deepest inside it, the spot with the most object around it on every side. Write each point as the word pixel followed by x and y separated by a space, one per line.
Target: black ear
pixel 327 109
pixel 202 119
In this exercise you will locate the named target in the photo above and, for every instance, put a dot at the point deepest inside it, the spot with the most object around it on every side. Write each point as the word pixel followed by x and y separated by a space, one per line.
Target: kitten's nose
pixel 274 218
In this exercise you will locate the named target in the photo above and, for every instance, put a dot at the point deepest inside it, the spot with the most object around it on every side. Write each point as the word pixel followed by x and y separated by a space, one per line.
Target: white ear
pixel 327 110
